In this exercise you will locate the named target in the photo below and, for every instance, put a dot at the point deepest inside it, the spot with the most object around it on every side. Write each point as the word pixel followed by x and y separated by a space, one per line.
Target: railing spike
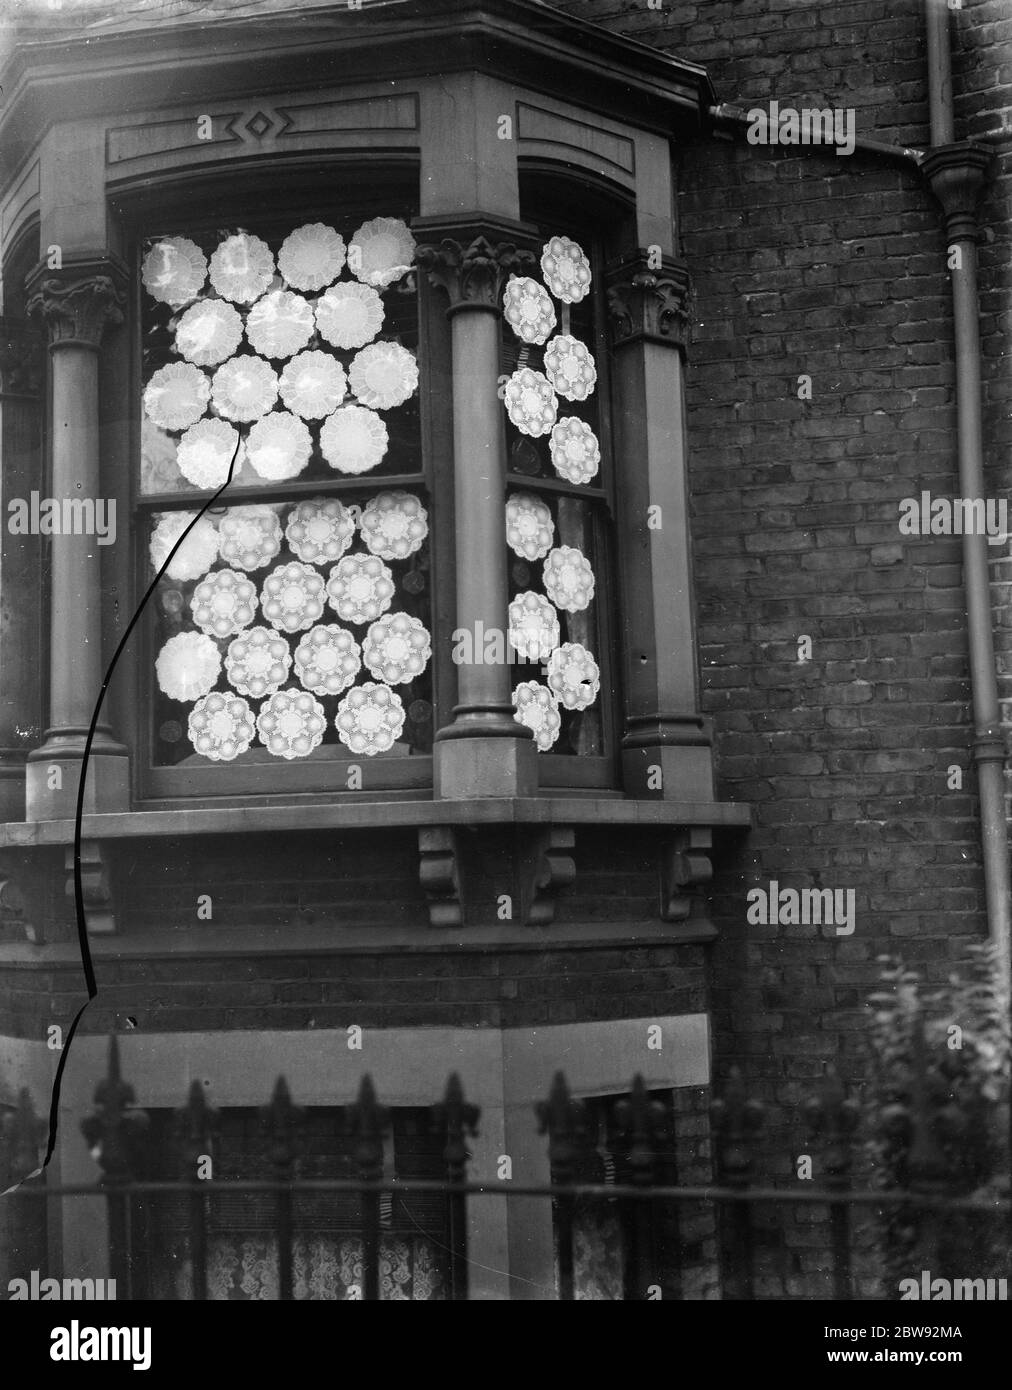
pixel 454 1118
pixel 115 1131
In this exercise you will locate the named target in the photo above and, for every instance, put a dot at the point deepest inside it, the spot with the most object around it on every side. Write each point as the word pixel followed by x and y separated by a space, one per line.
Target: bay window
pixel 296 639
pixel 480 437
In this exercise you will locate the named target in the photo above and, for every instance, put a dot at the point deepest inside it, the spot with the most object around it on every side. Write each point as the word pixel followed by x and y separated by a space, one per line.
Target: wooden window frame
pixel 324 774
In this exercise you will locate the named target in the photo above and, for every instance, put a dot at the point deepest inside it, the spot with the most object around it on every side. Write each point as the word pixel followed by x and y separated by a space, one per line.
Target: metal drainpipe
pixel 957 172
pixel 737 118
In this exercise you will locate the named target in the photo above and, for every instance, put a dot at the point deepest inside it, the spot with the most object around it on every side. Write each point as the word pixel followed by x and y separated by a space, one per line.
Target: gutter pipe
pixel 957 172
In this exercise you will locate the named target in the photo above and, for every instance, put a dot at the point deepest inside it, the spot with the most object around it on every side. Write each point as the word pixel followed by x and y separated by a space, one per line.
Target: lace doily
pixel 574 677
pixel 258 662
pixel 529 310
pixel 353 439
pixel 530 529
pixel 174 271
pixel 570 368
pixel 536 708
pixel 396 648
pixel 280 324
pixel 568 579
pixel 313 384
pixel 530 402
pixel 291 724
pixel 320 530
pixel 394 525
pixel 349 315
pixel 221 726
pixel 534 629
pixel 566 269
pixel 205 453
pixel 381 251
pixel 370 719
pixel 187 666
pixel 249 537
pixel 244 388
pixel 176 396
pixel 327 660
pixel 223 603
pixel 312 256
pixel 383 375
pixel 242 268
pixel 209 332
pixel 279 446
pixel 576 454
pixel 292 597
pixel 197 553
pixel 360 588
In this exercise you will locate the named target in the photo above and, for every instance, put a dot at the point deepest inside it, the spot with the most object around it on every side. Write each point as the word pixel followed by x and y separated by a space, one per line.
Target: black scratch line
pixel 82 921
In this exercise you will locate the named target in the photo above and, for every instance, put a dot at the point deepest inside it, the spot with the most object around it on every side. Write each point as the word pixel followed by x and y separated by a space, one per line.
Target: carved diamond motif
pixel 259 125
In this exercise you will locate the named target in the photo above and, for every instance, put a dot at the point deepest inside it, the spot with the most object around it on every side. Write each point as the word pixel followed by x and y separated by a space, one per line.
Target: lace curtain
pixel 323 1268
pixel 597 1254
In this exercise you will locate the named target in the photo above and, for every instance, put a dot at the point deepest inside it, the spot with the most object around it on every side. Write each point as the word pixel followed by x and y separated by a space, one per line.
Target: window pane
pixel 296 624
pixel 242 1235
pixel 556 536
pixel 235 362
pixel 260 614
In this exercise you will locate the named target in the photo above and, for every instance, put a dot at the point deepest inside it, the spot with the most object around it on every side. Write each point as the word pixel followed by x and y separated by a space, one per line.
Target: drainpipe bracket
pixel 990 746
pixel 956 175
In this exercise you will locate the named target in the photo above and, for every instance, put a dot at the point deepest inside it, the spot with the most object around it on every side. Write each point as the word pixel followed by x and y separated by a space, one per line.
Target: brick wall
pixel 169 992
pixel 805 262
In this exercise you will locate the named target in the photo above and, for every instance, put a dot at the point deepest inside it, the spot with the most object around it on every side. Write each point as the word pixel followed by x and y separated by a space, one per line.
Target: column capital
pixel 648 302
pixel 473 270
pixel 77 304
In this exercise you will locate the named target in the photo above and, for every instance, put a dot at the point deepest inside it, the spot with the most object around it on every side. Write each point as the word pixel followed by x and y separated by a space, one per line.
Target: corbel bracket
pixel 96 882
pixel 685 870
pixel 550 867
pixel 439 872
pixel 530 864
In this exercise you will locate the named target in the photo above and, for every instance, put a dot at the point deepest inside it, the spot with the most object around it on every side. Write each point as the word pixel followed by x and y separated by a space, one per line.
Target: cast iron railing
pixel 649 1200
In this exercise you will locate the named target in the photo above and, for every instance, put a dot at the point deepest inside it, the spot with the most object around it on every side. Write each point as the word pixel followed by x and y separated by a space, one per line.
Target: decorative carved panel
pixel 474 272
pixel 125 143
pixel 76 309
pixel 399 112
pixel 259 125
pixel 648 301
pixel 579 142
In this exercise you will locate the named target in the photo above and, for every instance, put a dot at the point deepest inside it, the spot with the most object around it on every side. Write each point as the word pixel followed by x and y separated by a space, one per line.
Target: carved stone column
pixel 21 379
pixel 666 749
pixel 483 751
pixel 76 306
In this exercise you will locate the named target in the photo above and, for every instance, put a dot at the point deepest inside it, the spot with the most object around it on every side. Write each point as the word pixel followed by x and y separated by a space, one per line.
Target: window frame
pixel 544 180
pixel 240 1142
pixel 325 773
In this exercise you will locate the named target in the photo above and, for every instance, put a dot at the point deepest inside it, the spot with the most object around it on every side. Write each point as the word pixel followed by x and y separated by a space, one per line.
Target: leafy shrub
pixel 937 1096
